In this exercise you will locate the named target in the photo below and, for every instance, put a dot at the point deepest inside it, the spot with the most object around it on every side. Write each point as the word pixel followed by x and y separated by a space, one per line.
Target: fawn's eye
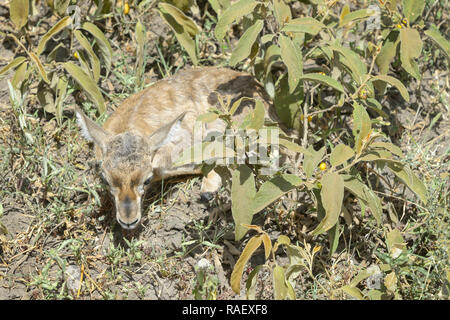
pixel 147 182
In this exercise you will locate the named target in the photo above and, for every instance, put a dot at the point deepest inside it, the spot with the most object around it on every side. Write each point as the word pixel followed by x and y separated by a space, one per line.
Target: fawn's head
pixel 127 163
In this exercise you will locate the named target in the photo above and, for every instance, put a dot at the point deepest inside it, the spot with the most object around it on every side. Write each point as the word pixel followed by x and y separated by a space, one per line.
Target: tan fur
pixel 138 139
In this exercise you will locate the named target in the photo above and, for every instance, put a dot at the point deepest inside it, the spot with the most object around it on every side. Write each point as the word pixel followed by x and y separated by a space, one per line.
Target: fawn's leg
pixel 210 184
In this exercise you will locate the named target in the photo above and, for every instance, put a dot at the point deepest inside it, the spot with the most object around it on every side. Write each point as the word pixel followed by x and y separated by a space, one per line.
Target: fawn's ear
pixel 168 133
pixel 90 130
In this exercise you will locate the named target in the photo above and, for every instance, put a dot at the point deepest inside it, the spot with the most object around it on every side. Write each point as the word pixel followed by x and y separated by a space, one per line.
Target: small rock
pixel 73 274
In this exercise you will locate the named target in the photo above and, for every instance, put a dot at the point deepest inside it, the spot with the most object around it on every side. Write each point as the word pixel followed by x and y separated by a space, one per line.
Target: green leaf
pixel 248 251
pixel 412 9
pixel 311 162
pixel 304 25
pixel 244 46
pixel 439 39
pixel 215 5
pixel 208 117
pixel 182 36
pixel 243 192
pixel 355 186
pixel 282 240
pixel 271 56
pixel 208 151
pixel 282 12
pixel 364 194
pixel 333 237
pixel 232 14
pixel 13 64
pixel 59 26
pixel 352 61
pixel 140 36
pixel 388 146
pixel 332 195
pixel 334 232
pixel 20 75
pixel 297 256
pixel 251 283
pixel 410 179
pixel 257 116
pixel 287 105
pixel 362 125
pixel 60 6
pixel 273 189
pixel 353 291
pixel 376 106
pixel 18 12
pixel 376 154
pixel 395 243
pixel 323 79
pixel 216 150
pixel 340 154
pixel 183 5
pixel 345 11
pixel 84 61
pixel 39 65
pixel 290 291
pixel 293 146
pixel 46 97
pixel 388 51
pixel 237 103
pixel 393 82
pixel 187 23
pixel 364 274
pixel 102 43
pixel 95 62
pixel 410 49
pixel 390 282
pixel 280 289
pixel 292 58
pixel 356 15
pixel 267 244
pixel 87 84
pixel 374 204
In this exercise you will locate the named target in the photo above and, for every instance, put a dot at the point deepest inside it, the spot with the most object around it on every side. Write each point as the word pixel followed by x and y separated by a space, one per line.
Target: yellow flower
pixel 316 249
pixel 323 166
pixel 399 26
pixel 75 55
pixel 302 117
pixel 126 8
pixel 363 93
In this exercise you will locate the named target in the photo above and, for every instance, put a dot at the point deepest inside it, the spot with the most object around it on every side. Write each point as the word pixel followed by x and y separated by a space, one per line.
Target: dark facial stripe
pixel 126 203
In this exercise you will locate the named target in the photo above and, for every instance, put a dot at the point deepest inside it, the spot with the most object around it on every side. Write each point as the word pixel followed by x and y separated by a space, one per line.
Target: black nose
pixel 206 196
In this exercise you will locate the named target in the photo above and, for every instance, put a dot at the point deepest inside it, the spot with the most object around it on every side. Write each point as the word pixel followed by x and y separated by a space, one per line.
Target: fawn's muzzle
pixel 128 213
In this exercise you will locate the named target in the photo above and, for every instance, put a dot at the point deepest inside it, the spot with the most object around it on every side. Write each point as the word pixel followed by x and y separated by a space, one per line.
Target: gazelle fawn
pixel 139 142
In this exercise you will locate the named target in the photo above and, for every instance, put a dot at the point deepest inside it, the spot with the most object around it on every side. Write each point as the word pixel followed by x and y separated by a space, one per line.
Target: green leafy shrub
pixel 316 68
